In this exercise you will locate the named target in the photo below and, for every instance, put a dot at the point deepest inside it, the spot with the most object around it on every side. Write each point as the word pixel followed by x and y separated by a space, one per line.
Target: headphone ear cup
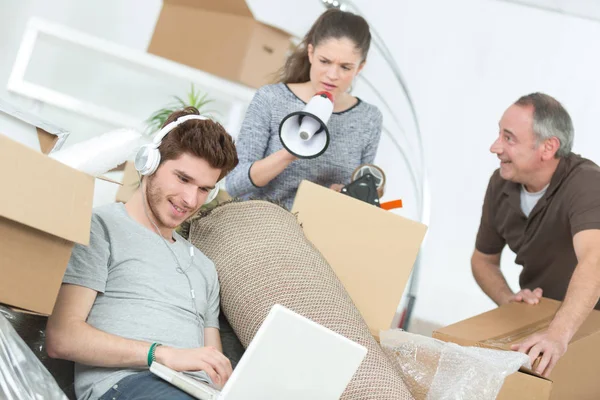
pixel 147 159
pixel 141 159
pixel 153 161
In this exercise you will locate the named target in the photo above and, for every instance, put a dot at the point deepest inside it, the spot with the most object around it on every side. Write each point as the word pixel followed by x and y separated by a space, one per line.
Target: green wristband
pixel 151 356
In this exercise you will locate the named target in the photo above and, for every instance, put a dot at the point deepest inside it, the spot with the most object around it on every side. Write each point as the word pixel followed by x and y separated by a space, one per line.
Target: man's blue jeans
pixel 144 386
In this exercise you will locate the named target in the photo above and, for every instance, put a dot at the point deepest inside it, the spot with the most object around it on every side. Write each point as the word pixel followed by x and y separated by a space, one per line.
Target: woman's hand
pixel 287 155
pixel 337 187
pixel 264 171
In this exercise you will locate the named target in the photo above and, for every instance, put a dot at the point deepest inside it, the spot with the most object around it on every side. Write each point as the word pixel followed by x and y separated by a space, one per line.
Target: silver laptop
pixel 290 357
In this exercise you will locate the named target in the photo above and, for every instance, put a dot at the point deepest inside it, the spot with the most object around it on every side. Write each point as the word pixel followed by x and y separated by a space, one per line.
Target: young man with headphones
pixel 140 292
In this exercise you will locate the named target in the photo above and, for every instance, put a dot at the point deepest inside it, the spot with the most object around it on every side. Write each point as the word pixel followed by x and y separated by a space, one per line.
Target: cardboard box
pixel 129 184
pixel 45 208
pixel 418 358
pixel 220 37
pixel 29 130
pixel 575 375
pixel 371 250
pixel 522 385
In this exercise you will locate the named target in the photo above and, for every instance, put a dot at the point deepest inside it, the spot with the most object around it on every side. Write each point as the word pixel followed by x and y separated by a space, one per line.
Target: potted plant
pixel 195 98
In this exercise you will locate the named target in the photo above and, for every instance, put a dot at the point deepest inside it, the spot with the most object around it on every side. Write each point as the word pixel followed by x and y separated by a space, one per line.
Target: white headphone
pixel 147 158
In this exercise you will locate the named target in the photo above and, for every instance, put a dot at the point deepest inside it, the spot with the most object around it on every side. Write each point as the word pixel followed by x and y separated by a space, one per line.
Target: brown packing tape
pixel 381 186
pixel 506 340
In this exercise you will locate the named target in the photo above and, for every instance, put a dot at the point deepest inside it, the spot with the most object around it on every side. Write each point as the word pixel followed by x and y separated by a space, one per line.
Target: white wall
pixel 111 19
pixel 89 75
pixel 465 61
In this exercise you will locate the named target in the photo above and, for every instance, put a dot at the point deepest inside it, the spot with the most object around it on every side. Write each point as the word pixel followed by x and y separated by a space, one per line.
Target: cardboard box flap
pixel 43 127
pixel 527 371
pixel 60 203
pixel 589 327
pixel 131 182
pixel 513 323
pixel 279 31
pixel 235 7
pixel 371 250
pixel 504 324
pixel 524 386
pixel 107 179
pixel 47 140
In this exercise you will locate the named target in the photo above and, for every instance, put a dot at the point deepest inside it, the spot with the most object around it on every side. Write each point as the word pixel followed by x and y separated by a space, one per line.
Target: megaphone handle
pixel 301 117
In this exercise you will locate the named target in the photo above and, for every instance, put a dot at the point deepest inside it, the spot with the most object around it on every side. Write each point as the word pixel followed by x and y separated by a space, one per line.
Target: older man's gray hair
pixel 550 119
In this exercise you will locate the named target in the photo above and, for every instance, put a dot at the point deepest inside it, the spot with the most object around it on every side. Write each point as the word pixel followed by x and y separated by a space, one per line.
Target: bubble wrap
pixel 22 375
pixel 433 369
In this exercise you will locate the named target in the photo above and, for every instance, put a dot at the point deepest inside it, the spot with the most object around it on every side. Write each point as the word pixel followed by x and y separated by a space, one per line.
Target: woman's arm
pixel 264 171
pixel 254 169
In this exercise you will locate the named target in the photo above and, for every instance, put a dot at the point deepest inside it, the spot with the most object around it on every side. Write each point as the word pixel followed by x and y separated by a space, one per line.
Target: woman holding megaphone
pixel 308 126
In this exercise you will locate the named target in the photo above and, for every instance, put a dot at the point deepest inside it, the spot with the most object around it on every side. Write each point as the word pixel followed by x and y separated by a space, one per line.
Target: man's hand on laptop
pixel 207 359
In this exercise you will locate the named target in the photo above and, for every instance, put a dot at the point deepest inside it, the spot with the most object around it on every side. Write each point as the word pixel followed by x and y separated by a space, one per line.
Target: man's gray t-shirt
pixel 141 295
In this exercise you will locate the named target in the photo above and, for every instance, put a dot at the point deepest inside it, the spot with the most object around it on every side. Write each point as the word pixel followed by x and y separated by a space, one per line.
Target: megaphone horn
pixel 304 133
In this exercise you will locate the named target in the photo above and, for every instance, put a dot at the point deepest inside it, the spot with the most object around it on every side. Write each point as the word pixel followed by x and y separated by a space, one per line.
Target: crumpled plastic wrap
pixel 22 375
pixel 436 370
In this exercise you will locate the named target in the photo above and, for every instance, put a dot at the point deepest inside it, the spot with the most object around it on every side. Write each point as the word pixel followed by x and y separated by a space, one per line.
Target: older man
pixel 544 203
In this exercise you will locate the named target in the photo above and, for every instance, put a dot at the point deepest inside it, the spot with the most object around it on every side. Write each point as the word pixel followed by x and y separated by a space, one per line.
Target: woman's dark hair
pixel 332 24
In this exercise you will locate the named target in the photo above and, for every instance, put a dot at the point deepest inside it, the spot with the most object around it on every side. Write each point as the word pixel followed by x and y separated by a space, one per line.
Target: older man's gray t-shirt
pixel 141 295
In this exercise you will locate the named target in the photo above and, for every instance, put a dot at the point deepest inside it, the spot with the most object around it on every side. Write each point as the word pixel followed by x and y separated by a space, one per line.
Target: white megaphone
pixel 304 133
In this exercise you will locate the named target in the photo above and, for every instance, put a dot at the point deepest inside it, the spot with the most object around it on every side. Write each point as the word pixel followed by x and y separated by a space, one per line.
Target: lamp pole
pixel 421 185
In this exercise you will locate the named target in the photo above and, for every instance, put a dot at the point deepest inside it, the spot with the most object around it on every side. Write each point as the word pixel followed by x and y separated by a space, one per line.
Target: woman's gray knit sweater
pixel 354 137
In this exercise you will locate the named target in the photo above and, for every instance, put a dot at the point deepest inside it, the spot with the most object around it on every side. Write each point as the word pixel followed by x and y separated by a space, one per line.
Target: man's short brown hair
pixel 204 139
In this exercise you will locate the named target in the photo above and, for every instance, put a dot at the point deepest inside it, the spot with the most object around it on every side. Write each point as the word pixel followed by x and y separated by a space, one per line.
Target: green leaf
pixel 194 98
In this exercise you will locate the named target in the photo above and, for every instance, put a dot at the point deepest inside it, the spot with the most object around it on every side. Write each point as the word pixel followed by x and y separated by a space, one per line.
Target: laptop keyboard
pixel 205 386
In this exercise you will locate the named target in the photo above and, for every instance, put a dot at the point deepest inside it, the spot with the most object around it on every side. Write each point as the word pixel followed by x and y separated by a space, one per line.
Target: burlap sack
pixel 263 258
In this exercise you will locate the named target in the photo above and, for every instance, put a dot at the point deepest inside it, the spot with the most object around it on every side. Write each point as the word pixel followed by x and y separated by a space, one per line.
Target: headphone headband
pixel 172 125
pixel 147 158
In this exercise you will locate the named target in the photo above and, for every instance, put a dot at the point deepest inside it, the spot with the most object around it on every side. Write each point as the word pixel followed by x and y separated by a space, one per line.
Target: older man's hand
pixel 527 296
pixel 550 346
